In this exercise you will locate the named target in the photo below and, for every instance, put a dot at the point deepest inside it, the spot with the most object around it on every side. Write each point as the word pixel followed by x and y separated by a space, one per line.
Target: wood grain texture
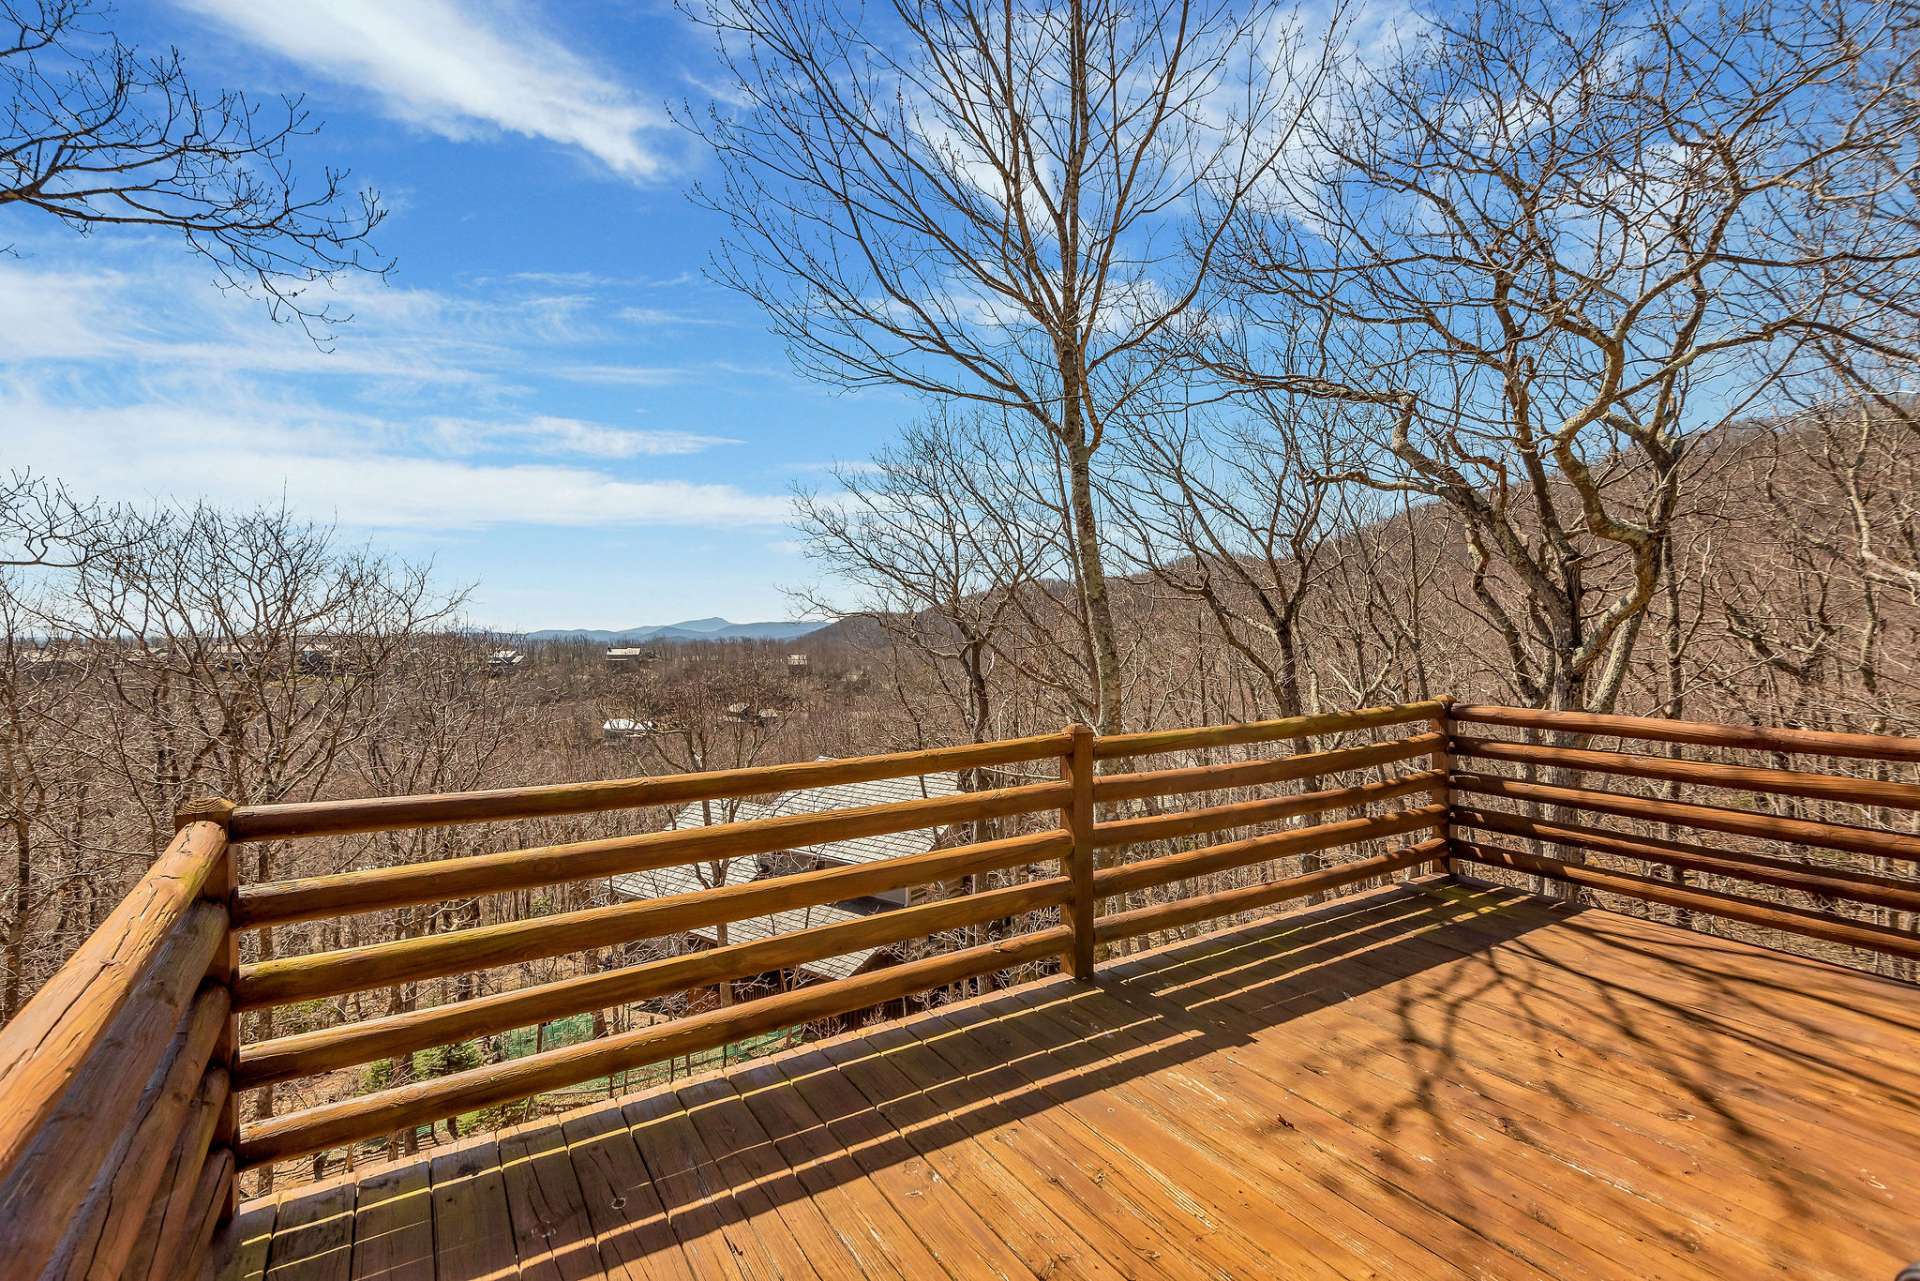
pixel 44 1047
pixel 169 1232
pixel 1432 1080
pixel 1773 782
pixel 307 1053
pixel 277 902
pixel 300 978
pixel 1758 738
pixel 101 1234
pixel 97 1075
pixel 385 813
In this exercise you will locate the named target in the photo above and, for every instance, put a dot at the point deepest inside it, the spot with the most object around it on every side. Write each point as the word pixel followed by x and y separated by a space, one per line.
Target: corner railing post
pixel 220 887
pixel 1077 768
pixel 1443 761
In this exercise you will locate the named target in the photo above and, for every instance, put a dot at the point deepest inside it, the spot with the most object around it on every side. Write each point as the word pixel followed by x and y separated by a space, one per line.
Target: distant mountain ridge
pixel 696 629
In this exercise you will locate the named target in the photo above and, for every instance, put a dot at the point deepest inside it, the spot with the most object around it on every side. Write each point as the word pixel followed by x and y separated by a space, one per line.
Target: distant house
pixel 739 870
pixel 627 657
pixel 626 727
pixel 797 664
pixel 505 660
pixel 317 659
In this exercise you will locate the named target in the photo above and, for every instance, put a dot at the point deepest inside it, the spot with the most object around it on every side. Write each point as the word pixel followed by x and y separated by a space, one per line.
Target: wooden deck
pixel 1424 1082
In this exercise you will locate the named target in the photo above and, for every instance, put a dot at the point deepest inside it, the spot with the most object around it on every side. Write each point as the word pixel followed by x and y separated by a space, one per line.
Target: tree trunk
pixel 1094 600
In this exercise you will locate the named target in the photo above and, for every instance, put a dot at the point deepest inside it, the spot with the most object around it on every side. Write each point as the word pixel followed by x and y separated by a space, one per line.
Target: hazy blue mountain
pixel 693 630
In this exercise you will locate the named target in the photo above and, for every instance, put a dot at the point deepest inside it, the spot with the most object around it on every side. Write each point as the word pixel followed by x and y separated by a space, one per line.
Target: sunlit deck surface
pixel 1427 1081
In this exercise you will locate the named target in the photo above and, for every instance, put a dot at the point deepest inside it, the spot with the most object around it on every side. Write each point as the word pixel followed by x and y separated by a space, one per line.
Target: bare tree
pixel 244 655
pixel 43 525
pixel 1549 246
pixel 939 543
pixel 1015 206
pixel 1239 514
pixel 97 134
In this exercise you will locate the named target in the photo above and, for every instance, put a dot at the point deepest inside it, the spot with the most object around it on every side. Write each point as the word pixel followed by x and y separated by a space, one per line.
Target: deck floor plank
pixel 861 1212
pixel 393 1226
pixel 472 1226
pixel 313 1235
pixel 628 1220
pixel 1230 1200
pixel 552 1230
pixel 1021 1204
pixel 1443 1080
pixel 247 1240
pixel 1140 1230
pixel 1772 1156
pixel 1389 1233
pixel 951 1224
pixel 759 1184
pixel 717 1241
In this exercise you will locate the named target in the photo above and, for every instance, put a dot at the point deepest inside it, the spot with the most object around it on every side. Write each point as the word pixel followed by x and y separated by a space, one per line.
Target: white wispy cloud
pixel 546 434
pixel 459 69
pixel 366 473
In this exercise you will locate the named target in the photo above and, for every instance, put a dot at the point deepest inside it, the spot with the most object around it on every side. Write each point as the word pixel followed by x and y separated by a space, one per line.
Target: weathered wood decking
pixel 1421 1082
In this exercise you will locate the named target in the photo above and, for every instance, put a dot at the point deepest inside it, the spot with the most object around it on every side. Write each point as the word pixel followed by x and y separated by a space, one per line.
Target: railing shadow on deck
pixel 894 1093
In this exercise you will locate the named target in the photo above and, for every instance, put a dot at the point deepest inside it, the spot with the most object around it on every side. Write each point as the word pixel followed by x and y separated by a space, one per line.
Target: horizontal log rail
pixel 1775 782
pixel 1758 738
pixel 1210 907
pixel 1858 887
pixel 373 1115
pixel 387 813
pixel 301 978
pixel 280 902
pixel 311 1053
pixel 1788 920
pixel 1153 742
pixel 1709 818
pixel 1168 868
pixel 1220 818
pixel 1214 778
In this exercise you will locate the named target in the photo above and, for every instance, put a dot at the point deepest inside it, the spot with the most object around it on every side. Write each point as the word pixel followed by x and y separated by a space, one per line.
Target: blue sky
pixel 546 398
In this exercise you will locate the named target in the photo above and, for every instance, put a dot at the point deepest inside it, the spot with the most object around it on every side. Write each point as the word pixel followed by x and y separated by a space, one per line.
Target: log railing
pixel 1531 807
pixel 116 1104
pixel 119 1148
pixel 1055 890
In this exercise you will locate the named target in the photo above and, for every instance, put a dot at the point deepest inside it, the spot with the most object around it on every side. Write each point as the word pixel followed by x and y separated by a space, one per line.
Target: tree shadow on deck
pixel 1434 1025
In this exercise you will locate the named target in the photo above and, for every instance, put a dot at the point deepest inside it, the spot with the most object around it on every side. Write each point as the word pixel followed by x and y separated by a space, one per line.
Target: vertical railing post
pixel 220 887
pixel 1443 761
pixel 1076 767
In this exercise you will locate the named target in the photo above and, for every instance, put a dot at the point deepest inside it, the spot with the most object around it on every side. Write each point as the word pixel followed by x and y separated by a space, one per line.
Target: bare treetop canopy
pixel 100 135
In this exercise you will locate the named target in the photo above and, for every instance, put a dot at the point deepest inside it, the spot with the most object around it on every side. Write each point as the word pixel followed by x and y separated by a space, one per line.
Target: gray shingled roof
pixel 812 800
pixel 687 879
